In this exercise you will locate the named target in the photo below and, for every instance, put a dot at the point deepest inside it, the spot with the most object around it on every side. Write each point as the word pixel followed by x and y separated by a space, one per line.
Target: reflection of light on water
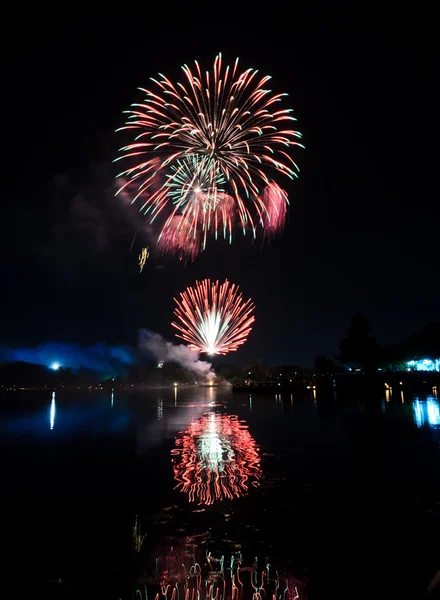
pixel 212 448
pixel 433 412
pixel 211 394
pixel 175 395
pixel 216 458
pixel 52 411
pixel 224 578
pixel 427 411
pixel 159 410
pixel 113 397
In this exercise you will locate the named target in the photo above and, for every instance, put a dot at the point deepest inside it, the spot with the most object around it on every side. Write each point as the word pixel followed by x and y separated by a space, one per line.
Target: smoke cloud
pixel 161 349
pixel 87 224
pixel 109 360
pixel 101 358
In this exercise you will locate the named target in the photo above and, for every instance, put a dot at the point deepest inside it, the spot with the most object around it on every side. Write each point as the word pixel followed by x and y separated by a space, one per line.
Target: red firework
pixel 217 212
pixel 275 200
pixel 213 318
pixel 179 239
pixel 216 459
pixel 222 127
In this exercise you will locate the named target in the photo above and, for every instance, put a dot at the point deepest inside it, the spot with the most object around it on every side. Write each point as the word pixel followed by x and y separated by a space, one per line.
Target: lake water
pixel 342 496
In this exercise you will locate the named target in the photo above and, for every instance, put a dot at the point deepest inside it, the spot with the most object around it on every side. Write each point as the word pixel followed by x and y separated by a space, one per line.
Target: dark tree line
pixel 22 374
pixel 358 349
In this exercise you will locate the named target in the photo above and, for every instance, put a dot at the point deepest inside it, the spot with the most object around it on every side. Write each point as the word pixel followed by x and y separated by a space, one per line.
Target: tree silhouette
pixel 258 372
pixel 326 366
pixel 358 347
pixel 229 372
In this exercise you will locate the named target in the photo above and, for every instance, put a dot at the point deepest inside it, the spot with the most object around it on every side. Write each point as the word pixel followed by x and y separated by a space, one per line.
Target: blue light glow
pixel 109 361
pixel 427 411
pixel 425 364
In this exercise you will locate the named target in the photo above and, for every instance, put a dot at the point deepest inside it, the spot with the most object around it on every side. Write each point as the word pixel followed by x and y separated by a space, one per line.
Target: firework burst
pixel 222 128
pixel 213 318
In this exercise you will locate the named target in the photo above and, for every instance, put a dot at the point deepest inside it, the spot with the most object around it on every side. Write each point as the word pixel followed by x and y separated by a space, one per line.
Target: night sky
pixel 363 228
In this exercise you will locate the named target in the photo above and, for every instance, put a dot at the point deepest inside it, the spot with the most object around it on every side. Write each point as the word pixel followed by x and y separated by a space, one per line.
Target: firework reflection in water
pixel 179 575
pixel 216 459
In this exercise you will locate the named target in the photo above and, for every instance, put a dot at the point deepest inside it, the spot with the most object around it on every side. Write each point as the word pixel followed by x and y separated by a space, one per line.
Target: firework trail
pixel 215 459
pixel 223 127
pixel 143 258
pixel 213 318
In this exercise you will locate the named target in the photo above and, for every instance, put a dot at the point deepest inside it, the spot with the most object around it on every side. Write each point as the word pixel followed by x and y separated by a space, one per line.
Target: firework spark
pixel 198 192
pixel 179 239
pixel 216 458
pixel 225 127
pixel 275 201
pixel 143 258
pixel 213 318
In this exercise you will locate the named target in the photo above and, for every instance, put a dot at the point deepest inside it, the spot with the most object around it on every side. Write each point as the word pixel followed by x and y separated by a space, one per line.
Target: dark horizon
pixel 363 220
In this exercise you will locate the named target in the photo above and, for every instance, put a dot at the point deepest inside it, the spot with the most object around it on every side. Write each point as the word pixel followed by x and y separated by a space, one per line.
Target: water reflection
pixel 178 574
pixel 216 458
pixel 52 411
pixel 175 412
pixel 159 409
pixel 426 411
